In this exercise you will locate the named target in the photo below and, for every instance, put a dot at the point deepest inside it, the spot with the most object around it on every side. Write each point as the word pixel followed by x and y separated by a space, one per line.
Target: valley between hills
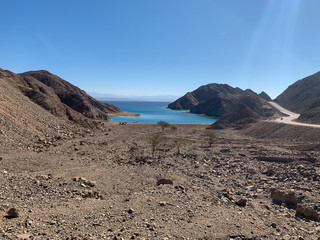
pixel 66 173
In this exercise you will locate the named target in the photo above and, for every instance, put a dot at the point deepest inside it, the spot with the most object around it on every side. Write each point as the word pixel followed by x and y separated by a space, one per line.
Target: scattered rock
pixel 12 213
pixel 92 194
pixel 289 197
pixel 309 209
pixel 130 210
pixel 84 182
pixel 242 202
pixel 164 181
pixel 24 236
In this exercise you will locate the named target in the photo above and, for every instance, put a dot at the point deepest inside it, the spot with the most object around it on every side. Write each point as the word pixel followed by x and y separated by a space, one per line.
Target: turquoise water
pixel 153 112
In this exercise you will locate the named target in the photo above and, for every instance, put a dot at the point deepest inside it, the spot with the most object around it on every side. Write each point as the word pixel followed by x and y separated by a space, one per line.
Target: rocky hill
pixel 303 97
pixel 233 106
pixel 72 96
pixel 265 96
pixel 39 104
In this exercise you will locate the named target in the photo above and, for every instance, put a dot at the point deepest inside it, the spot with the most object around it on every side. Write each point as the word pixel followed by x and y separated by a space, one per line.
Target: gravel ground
pixel 103 185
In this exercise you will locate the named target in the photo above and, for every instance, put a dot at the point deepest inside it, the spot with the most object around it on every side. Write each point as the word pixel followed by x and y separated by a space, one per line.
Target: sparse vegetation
pixel 155 139
pixel 174 128
pixel 163 125
pixel 179 141
pixel 211 135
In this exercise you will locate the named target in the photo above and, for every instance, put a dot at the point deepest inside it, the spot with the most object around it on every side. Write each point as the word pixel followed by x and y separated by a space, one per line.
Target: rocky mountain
pixel 42 104
pixel 72 96
pixel 233 106
pixel 202 94
pixel 303 97
pixel 265 96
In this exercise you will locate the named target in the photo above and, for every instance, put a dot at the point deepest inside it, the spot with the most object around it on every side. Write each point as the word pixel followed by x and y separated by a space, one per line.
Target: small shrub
pixel 174 128
pixel 155 139
pixel 163 125
pixel 211 135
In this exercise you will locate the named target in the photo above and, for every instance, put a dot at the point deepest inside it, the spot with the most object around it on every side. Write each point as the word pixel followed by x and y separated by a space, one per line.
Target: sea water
pixel 153 112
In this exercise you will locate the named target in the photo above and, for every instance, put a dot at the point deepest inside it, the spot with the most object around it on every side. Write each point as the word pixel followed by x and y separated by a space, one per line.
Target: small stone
pixel 273 225
pixel 13 213
pixel 130 211
pixel 162 203
pixel 23 236
pixel 241 202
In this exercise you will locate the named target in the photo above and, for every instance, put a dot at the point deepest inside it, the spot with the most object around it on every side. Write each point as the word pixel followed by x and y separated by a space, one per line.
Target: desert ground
pixel 102 184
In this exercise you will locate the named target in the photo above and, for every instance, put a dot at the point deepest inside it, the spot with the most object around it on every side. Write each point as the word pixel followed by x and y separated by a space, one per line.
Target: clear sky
pixel 163 47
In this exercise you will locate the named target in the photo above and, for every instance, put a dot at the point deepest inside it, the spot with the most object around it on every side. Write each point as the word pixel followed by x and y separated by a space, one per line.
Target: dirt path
pixel 291 118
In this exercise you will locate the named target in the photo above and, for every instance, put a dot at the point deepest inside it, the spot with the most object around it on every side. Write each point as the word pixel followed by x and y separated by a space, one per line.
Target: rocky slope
pixel 31 108
pixel 72 96
pixel 233 106
pixel 303 97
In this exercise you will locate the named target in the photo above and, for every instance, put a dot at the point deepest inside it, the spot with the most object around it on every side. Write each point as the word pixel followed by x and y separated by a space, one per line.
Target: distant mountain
pixel 303 97
pixel 114 97
pixel 233 106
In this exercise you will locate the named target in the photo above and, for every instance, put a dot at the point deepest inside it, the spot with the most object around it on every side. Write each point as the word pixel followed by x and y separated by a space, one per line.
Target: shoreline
pixel 125 114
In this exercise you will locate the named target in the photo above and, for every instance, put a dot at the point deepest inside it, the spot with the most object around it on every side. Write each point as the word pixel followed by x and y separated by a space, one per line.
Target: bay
pixel 153 112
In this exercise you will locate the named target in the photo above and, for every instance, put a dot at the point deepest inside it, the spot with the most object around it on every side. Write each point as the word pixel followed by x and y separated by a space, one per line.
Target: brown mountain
pixel 72 96
pixel 233 106
pixel 303 97
pixel 39 103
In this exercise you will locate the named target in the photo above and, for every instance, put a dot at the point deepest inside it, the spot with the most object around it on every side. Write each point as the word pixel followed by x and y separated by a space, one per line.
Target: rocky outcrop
pixel 306 204
pixel 234 107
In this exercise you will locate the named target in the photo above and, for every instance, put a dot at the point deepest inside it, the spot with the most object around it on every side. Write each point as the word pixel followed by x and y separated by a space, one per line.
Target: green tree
pixel 163 125
pixel 155 139
pixel 211 135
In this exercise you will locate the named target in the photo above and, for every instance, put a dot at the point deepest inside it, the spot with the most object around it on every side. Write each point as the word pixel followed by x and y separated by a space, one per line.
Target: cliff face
pixel 230 105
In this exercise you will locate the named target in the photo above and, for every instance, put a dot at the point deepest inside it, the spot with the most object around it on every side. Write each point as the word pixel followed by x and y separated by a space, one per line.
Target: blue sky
pixel 163 47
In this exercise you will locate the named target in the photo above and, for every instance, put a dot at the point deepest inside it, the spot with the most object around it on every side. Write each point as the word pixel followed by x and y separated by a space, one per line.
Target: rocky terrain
pixel 105 184
pixel 234 107
pixel 303 97
pixel 64 175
